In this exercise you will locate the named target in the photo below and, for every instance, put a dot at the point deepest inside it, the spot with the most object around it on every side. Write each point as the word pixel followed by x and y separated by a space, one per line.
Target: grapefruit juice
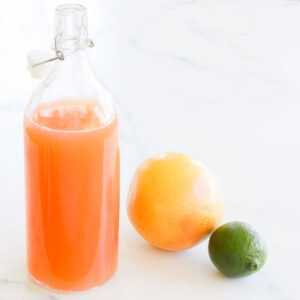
pixel 72 194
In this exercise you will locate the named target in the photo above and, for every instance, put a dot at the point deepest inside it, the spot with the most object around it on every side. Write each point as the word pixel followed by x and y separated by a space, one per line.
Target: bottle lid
pixel 37 63
pixel 71 34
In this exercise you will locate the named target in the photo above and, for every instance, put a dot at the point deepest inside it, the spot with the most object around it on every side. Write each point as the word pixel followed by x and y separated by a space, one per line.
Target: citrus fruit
pixel 174 201
pixel 236 249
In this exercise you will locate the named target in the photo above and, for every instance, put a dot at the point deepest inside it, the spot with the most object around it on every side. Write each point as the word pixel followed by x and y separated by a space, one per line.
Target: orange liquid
pixel 72 194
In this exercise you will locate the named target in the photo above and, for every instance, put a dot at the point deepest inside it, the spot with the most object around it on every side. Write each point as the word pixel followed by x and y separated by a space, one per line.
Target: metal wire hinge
pixel 60 54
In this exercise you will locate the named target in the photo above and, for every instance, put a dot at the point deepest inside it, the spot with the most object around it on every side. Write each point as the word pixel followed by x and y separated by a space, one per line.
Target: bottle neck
pixel 71 40
pixel 68 46
pixel 71 28
pixel 74 65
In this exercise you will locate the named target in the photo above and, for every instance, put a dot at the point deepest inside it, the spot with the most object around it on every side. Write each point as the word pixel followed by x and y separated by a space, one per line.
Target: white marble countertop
pixel 217 79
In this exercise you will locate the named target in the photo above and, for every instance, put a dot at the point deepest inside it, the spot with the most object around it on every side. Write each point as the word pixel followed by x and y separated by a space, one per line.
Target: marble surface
pixel 217 79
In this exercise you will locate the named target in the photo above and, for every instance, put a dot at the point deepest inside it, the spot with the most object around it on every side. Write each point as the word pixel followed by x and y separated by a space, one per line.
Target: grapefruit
pixel 174 201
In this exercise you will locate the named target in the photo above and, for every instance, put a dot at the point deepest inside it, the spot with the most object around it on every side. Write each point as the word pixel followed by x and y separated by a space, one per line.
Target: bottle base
pixel 49 288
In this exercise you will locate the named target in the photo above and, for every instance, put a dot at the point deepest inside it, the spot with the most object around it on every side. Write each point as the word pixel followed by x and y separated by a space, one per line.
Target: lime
pixel 236 249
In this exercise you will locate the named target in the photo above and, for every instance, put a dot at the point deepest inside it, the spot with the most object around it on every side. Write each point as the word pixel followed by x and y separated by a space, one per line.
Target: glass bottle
pixel 71 168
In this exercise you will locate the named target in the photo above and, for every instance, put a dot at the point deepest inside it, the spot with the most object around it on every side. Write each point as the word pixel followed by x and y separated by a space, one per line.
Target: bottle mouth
pixel 71 26
pixel 71 8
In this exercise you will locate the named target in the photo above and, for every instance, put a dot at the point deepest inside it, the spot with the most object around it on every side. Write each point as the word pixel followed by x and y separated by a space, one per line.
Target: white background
pixel 217 79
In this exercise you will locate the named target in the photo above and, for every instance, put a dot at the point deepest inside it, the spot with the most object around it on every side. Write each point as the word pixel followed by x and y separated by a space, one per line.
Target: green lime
pixel 236 249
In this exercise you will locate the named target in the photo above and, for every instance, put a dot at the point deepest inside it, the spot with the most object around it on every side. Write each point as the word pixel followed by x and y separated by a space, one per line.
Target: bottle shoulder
pixel 73 81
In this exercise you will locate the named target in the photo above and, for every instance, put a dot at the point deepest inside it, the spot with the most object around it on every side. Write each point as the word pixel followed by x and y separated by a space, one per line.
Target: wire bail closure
pixel 59 53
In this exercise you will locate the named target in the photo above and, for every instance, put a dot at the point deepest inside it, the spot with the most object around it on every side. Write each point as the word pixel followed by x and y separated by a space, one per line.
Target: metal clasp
pixel 59 53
